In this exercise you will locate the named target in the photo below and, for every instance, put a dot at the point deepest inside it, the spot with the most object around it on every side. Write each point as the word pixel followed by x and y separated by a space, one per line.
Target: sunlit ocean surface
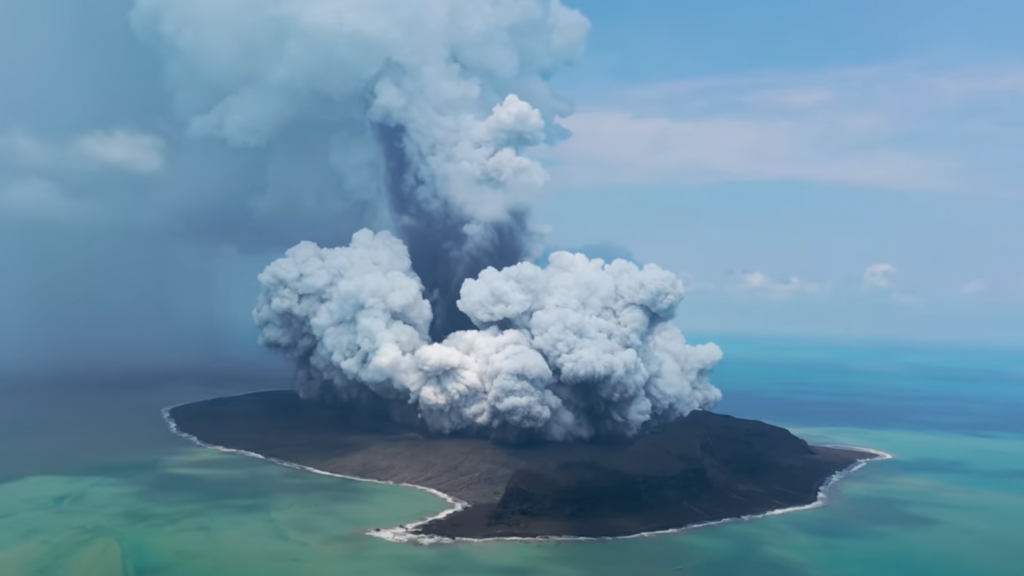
pixel 91 482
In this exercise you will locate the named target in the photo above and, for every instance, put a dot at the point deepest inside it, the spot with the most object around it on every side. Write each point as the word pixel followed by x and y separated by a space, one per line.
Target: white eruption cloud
pixel 352 316
pixel 428 105
pixel 423 110
pixel 573 350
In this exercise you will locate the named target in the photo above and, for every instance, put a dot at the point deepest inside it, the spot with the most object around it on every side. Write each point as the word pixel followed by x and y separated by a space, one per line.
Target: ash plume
pixel 423 109
pixel 577 349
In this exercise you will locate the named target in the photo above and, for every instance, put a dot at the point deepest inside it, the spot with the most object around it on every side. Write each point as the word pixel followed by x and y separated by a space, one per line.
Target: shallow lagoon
pixel 95 485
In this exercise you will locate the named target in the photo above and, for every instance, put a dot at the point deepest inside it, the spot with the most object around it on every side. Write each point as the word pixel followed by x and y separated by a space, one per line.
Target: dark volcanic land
pixel 701 468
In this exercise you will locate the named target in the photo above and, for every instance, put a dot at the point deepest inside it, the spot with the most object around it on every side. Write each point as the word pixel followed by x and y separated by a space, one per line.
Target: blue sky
pixel 665 40
pixel 844 168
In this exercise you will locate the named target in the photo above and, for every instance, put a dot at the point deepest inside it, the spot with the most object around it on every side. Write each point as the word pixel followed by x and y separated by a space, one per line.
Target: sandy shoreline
pixel 406 533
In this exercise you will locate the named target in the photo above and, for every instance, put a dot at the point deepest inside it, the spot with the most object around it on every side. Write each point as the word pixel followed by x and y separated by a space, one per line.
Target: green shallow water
pixel 95 485
pixel 947 505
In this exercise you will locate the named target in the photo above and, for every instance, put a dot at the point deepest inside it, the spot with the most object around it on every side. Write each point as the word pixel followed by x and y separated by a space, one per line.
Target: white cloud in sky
pixel 974 287
pixel 129 151
pixel 879 276
pixel 693 284
pixel 619 148
pixel 118 150
pixel 882 277
pixel 762 283
pixel 895 127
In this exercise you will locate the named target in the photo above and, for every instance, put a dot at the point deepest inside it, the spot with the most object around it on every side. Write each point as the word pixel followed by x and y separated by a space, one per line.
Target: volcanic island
pixel 702 468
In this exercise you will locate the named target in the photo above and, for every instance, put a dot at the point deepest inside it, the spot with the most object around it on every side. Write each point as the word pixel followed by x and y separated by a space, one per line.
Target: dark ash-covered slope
pixel 701 468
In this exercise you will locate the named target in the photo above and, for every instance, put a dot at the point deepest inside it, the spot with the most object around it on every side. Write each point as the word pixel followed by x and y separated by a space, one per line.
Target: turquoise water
pixel 91 483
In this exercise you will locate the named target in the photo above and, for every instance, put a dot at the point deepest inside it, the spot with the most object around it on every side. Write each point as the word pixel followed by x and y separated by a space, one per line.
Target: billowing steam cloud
pixel 428 106
pixel 575 349
pixel 425 100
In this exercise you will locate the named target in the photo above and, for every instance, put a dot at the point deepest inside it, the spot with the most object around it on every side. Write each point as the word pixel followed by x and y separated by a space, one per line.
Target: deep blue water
pixel 961 389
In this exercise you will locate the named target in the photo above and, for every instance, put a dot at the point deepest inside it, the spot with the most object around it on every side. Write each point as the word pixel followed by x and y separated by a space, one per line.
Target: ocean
pixel 93 484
